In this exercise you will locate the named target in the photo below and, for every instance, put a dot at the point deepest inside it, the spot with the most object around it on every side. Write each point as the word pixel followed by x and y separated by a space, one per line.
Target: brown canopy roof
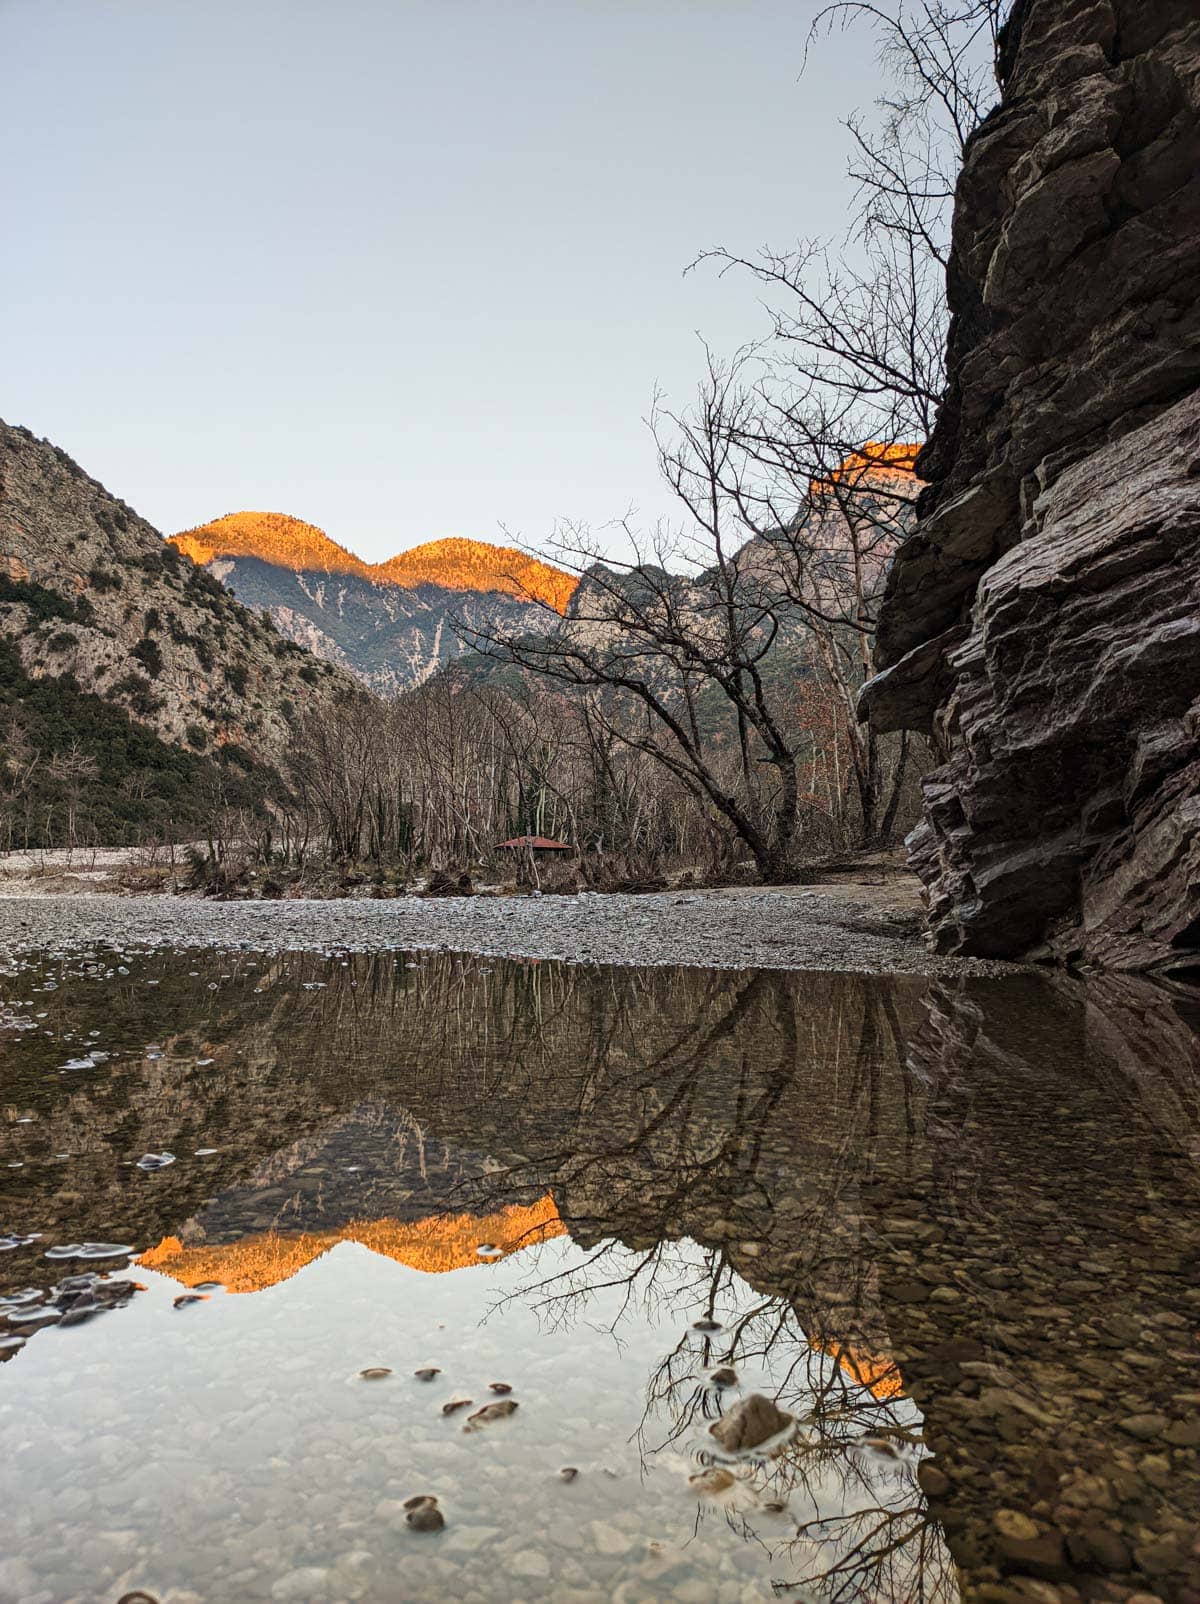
pixel 537 843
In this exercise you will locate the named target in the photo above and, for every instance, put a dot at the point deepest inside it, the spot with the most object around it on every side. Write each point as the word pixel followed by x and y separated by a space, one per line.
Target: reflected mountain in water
pixel 972 1203
pixel 435 1245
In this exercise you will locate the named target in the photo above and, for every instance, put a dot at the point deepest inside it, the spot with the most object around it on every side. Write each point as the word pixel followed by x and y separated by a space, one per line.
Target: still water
pixel 949 1230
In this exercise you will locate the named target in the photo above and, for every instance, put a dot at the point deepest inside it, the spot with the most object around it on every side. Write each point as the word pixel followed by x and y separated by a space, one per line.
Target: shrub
pixel 138 694
pixel 42 603
pixel 143 785
pixel 149 656
pixel 237 677
pixel 102 579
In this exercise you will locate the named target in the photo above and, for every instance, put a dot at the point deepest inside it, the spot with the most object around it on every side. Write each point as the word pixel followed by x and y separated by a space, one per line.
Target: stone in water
pixel 750 1423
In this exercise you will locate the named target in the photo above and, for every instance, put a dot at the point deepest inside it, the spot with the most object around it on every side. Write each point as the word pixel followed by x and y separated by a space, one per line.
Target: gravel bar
pixel 783 928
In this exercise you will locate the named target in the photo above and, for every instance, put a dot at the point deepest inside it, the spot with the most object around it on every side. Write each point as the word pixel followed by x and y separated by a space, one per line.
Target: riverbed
pixel 282 1227
pixel 865 927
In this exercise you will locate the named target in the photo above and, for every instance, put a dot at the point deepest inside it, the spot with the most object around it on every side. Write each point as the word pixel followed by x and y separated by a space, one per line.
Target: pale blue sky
pixel 403 268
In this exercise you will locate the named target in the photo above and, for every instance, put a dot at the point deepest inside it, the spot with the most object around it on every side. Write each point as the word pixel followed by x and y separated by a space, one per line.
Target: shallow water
pixel 950 1228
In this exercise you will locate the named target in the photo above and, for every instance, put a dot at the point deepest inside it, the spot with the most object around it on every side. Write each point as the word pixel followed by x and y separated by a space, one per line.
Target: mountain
pixel 127 674
pixel 390 623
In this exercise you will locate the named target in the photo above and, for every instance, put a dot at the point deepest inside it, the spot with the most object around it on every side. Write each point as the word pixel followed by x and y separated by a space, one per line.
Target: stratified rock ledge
pixel 1042 623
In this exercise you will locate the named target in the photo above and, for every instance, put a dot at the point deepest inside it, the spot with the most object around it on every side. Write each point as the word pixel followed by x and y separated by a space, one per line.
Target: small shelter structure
pixel 538 845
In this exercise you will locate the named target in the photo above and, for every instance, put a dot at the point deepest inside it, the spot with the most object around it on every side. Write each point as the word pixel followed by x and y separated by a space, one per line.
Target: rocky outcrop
pixel 94 595
pixel 1043 620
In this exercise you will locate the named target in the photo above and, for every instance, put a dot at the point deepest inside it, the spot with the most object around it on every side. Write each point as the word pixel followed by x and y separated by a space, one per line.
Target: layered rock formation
pixel 1043 621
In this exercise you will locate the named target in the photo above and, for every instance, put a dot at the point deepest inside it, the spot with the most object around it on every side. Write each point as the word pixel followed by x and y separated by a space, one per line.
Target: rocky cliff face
pixel 1043 621
pixel 92 591
pixel 391 623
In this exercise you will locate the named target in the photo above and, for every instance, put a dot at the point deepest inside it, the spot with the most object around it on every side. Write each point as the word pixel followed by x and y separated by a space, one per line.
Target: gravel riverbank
pixel 777 928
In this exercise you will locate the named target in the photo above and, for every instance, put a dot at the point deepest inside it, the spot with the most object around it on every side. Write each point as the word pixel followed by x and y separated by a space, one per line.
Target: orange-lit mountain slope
pixel 436 1244
pixel 876 464
pixel 455 564
pixel 478 565
pixel 272 537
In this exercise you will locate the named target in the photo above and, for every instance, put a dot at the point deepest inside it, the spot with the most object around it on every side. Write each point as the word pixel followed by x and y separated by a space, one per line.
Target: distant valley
pixel 390 623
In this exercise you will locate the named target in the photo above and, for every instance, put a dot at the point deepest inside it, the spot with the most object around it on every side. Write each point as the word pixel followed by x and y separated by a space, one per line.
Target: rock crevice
pixel 1042 622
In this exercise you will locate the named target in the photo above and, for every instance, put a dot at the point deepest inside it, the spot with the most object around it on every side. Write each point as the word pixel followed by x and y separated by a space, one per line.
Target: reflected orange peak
pixel 879 1374
pixel 436 1244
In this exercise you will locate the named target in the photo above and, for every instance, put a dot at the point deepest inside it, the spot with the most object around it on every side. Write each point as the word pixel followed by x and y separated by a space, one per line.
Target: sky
pixel 405 269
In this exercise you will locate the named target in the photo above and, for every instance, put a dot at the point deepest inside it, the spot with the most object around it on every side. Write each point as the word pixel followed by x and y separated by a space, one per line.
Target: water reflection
pixel 951 1229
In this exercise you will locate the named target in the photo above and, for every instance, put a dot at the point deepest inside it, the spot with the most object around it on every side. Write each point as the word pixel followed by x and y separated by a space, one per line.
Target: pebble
pixel 711 1483
pixel 1012 1523
pixel 531 1563
pixel 305 1585
pixel 1144 1426
pixel 491 1412
pixel 734 929
pixel 425 1516
pixel 608 1540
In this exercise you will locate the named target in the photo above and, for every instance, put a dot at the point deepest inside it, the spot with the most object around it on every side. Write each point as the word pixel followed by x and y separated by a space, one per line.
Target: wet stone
pixel 1097 1546
pixel 750 1423
pixel 1144 1426
pixel 491 1413
pixel 424 1515
pixel 1042 1556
